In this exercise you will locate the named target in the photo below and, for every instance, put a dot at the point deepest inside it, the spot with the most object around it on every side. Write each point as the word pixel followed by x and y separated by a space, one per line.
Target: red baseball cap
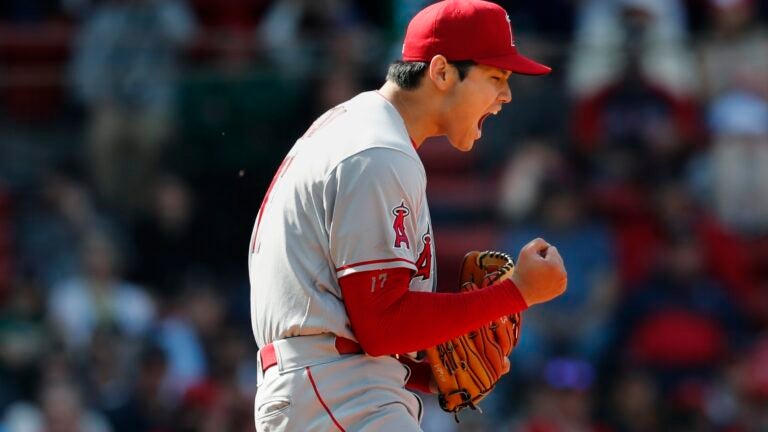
pixel 467 30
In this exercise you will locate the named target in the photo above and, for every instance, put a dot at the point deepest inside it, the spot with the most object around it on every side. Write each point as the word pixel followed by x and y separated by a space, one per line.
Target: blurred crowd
pixel 137 138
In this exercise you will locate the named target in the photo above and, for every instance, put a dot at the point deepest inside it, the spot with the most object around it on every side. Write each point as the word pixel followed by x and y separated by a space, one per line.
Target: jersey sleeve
pixel 373 200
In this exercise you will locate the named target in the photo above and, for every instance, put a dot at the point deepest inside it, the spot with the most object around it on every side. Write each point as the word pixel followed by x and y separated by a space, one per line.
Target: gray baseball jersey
pixel 348 197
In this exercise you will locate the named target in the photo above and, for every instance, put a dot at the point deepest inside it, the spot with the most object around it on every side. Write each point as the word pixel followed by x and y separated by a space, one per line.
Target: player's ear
pixel 441 73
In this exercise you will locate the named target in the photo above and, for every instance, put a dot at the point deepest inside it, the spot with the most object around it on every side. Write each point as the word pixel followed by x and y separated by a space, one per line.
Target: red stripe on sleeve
pixel 378 261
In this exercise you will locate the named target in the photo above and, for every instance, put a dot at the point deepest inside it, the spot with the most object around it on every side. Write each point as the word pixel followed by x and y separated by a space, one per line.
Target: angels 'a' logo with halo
pixel 424 263
pixel 400 212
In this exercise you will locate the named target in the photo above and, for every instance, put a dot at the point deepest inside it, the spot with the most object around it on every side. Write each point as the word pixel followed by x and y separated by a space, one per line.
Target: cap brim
pixel 517 64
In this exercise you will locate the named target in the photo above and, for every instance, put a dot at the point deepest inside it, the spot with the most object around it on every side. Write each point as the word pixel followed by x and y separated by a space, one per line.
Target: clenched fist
pixel 539 274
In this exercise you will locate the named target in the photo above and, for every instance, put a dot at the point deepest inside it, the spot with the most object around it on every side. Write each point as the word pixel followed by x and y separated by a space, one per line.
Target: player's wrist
pixel 518 297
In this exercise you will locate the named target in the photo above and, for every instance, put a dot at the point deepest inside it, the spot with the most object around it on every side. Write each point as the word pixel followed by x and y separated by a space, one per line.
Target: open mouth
pixel 482 119
pixel 480 124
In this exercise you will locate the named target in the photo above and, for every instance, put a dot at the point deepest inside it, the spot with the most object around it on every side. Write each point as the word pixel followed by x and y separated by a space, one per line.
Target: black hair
pixel 407 75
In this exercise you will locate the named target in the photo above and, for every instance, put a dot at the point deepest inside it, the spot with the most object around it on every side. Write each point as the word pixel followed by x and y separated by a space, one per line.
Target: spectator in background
pixel 52 223
pixel 334 88
pixel 106 368
pixel 64 410
pixel 61 409
pixel 146 408
pixel 679 322
pixel 644 124
pixel 656 27
pixel 751 387
pixel 725 256
pixel 634 402
pixel 523 176
pixel 681 327
pixel 561 400
pixel 170 239
pixel 186 333
pixel 634 134
pixel 734 55
pixel 733 175
pixel 302 36
pixel 124 71
pixel 24 339
pixel 98 299
pixel 228 35
pixel 224 399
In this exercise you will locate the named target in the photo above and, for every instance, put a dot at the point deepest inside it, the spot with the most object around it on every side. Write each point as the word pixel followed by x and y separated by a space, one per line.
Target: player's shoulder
pixel 382 168
pixel 379 161
pixel 365 122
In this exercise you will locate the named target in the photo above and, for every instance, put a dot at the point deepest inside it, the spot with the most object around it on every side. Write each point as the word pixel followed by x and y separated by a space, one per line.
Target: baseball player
pixel 342 256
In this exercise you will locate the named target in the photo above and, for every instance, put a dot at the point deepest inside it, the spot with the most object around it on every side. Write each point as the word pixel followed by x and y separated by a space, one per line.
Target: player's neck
pixel 416 109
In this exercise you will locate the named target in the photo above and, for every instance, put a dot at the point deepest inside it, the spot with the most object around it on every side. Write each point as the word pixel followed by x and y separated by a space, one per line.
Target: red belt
pixel 343 346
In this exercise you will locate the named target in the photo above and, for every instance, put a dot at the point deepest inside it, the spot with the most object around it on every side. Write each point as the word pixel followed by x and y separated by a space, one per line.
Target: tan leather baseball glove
pixel 467 368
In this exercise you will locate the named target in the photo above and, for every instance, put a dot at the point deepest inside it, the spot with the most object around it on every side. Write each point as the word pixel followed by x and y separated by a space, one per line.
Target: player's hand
pixel 540 273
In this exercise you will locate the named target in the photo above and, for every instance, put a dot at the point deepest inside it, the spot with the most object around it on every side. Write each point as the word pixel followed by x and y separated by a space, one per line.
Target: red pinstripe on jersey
pixel 379 261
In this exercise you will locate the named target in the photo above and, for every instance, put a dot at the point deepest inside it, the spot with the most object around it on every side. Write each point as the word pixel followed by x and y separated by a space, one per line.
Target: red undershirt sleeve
pixel 387 318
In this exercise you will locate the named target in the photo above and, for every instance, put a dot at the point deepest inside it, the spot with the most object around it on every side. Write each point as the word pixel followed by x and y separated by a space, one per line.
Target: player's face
pixel 471 101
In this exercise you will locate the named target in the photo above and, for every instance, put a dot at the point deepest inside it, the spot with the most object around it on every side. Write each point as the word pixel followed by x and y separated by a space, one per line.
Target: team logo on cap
pixel 400 212
pixel 511 37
